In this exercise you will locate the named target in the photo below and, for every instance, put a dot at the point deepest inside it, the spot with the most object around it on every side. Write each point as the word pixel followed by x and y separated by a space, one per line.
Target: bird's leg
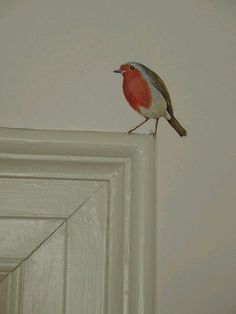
pixel 155 132
pixel 130 131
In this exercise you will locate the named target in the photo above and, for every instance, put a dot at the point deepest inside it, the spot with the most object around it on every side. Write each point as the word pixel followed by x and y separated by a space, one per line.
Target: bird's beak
pixel 117 71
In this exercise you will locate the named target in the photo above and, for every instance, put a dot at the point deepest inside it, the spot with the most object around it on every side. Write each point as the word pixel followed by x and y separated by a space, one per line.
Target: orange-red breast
pixel 146 93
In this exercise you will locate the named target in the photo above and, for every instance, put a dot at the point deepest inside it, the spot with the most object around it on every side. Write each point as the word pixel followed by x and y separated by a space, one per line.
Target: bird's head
pixel 130 70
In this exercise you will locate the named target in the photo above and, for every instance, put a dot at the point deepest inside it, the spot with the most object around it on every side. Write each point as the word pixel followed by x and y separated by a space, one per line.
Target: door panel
pixel 67 270
pixel 77 223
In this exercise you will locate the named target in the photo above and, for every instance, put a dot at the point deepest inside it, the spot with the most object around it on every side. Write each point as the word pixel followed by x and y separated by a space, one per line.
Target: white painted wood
pixel 118 246
pixel 87 259
pixel 3 296
pixel 43 276
pixel 43 198
pixel 8 265
pixel 19 237
pixel 10 293
pixel 99 169
pixel 109 258
pixel 142 232
pixel 2 275
pixel 15 287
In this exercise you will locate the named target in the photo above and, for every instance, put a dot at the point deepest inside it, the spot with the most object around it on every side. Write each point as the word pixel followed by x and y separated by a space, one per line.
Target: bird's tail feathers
pixel 177 126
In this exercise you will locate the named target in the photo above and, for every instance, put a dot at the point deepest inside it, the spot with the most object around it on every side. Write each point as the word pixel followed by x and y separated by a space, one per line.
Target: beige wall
pixel 56 67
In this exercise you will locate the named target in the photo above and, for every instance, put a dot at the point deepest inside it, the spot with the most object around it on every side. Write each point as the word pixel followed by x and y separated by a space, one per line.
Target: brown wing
pixel 161 86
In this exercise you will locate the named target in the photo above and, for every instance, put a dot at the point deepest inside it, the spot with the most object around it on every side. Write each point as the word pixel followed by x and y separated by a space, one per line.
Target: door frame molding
pixel 127 164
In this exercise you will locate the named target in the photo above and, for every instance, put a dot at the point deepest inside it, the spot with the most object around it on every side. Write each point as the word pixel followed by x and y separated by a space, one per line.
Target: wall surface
pixel 56 67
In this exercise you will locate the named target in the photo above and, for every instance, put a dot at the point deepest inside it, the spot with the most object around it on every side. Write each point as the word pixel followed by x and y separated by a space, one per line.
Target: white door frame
pixel 126 164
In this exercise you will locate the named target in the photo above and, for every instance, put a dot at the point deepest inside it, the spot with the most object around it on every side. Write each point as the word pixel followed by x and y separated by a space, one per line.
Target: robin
pixel 146 93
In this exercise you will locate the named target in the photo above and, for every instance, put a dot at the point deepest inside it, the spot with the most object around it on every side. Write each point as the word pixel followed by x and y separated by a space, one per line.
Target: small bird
pixel 146 93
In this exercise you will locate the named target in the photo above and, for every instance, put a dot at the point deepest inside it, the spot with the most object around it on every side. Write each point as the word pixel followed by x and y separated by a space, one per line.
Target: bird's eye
pixel 132 67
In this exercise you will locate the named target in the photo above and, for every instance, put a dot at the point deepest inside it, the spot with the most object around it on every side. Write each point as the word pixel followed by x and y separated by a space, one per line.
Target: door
pixel 76 223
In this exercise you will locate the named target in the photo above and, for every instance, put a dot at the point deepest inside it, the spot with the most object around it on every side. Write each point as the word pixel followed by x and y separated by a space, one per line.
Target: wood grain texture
pixel 58 167
pixel 14 291
pixel 10 293
pixel 8 265
pixel 43 198
pixel 43 276
pixel 19 237
pixel 3 296
pixel 2 275
pixel 117 248
pixel 86 260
